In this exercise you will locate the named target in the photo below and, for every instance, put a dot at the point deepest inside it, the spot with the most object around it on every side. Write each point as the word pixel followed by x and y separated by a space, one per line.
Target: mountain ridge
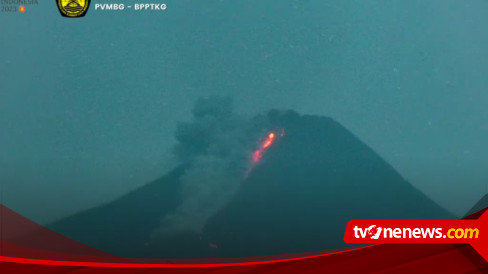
pixel 298 198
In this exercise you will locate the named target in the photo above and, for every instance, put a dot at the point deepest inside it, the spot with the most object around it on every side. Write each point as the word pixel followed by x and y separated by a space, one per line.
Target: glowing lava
pixel 266 144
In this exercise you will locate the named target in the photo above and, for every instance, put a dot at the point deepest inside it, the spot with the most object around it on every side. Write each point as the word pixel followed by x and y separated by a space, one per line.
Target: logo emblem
pixel 73 8
pixel 373 232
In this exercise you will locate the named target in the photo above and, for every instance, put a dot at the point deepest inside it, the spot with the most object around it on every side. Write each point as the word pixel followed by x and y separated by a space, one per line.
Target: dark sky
pixel 89 106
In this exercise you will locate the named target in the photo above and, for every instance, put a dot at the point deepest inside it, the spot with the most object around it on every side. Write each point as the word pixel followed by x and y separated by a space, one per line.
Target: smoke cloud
pixel 218 147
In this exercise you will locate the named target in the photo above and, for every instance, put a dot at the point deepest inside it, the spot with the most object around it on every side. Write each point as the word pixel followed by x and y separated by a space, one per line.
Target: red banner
pixel 473 232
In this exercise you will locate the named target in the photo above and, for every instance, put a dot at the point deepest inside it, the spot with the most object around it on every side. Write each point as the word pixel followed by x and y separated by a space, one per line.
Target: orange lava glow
pixel 258 154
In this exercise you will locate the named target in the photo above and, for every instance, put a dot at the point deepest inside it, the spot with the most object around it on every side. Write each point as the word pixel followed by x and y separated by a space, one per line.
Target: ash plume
pixel 217 145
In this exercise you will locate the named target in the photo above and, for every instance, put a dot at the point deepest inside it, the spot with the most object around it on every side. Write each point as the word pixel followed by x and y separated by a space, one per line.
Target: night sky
pixel 89 106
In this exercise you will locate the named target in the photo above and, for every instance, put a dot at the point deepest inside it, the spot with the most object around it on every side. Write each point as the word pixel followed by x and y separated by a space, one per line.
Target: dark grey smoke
pixel 217 145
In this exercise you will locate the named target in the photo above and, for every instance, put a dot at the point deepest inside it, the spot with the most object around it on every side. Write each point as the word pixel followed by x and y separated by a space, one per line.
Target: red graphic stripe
pixel 140 265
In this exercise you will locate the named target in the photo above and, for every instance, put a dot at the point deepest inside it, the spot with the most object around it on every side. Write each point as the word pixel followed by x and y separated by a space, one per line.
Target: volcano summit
pixel 309 182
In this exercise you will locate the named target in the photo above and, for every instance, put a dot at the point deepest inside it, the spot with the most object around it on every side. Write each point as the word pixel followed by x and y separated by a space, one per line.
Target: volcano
pixel 299 198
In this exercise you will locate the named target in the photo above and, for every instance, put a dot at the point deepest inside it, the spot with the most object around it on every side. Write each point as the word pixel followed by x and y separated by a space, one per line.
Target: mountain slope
pixel 298 198
pixel 480 205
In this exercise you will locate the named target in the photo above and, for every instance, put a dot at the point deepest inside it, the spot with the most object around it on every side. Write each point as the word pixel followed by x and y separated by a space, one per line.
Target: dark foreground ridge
pixel 480 205
pixel 299 198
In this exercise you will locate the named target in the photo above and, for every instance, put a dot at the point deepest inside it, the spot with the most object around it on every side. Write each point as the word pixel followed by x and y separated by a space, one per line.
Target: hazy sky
pixel 88 106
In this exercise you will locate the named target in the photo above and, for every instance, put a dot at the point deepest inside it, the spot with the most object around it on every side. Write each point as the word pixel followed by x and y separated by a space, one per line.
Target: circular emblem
pixel 73 8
